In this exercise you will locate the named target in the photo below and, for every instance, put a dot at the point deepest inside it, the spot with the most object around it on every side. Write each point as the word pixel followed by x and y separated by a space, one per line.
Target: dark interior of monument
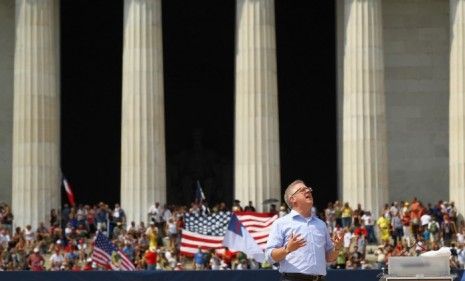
pixel 198 49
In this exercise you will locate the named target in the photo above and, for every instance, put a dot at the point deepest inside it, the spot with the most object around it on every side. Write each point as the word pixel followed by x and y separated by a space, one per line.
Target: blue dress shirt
pixel 310 259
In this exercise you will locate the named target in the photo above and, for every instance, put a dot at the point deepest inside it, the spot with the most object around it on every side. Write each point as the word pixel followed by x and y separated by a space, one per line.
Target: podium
pixel 418 268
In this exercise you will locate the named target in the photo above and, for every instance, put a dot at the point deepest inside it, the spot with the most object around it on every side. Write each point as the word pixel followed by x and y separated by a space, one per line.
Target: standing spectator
pixel 7 218
pixel 394 210
pixel 53 217
pixel 227 258
pixel 346 215
pixel 29 235
pixel 461 255
pixel 119 215
pixel 179 226
pixel 171 259
pixel 81 216
pixel 151 258
pixel 215 261
pixel 368 222
pixel 330 217
pixel 397 228
pixel 152 235
pixel 347 238
pixel 199 259
pixel 273 209
pixel 4 237
pixel 406 227
pixel 425 219
pixel 361 243
pixel 35 261
pixel 129 250
pixel 434 229
pixel 56 260
pixel 237 206
pixel 448 229
pixel 155 212
pixel 250 207
pixel 172 231
pixel 132 229
pixel 452 211
pixel 415 215
pixel 384 227
pixel 88 265
pixel 356 218
pixel 341 259
pixel 91 219
pixel 118 230
pixel 355 257
pixel 101 217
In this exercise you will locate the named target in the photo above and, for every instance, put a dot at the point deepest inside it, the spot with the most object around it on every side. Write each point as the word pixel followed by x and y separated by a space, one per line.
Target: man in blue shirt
pixel 300 242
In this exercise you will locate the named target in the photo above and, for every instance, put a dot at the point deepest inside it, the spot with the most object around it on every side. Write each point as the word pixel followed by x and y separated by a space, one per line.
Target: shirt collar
pixel 294 214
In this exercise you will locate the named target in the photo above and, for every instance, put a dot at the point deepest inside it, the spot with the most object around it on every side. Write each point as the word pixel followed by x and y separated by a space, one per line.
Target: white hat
pixel 36 250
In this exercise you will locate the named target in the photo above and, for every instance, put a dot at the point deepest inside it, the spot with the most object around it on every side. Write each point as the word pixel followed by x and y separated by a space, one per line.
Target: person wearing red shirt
pixel 228 256
pixel 88 265
pixel 361 230
pixel 36 261
pixel 150 257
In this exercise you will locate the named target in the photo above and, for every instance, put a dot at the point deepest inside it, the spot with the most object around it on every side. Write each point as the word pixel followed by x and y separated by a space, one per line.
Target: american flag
pixel 207 231
pixel 106 254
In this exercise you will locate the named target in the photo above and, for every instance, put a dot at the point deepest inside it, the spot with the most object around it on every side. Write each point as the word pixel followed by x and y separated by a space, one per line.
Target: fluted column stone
pixel 457 105
pixel 364 122
pixel 257 163
pixel 143 167
pixel 36 117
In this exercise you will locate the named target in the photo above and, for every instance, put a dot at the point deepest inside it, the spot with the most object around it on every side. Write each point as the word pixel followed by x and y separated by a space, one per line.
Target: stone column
pixel 457 105
pixel 364 126
pixel 257 163
pixel 36 117
pixel 143 167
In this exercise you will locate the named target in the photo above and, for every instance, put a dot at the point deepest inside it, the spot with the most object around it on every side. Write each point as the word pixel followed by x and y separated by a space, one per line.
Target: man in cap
pixel 35 261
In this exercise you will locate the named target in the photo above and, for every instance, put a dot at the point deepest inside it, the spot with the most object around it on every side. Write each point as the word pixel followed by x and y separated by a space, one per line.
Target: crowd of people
pixel 66 242
pixel 402 229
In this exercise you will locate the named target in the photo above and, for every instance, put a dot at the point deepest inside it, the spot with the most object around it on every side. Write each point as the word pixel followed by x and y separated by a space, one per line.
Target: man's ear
pixel 291 200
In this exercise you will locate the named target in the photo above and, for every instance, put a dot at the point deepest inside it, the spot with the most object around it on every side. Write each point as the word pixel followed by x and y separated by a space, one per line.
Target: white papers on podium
pixel 419 266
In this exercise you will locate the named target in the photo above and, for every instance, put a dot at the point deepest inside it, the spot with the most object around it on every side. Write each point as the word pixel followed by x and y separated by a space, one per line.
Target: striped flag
pixel 237 238
pixel 107 255
pixel 69 192
pixel 208 231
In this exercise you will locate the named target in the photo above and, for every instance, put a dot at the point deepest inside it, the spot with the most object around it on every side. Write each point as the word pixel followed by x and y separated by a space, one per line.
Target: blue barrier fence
pixel 228 275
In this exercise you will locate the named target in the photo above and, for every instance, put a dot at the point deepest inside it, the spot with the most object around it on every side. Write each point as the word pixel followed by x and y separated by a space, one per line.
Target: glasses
pixel 302 189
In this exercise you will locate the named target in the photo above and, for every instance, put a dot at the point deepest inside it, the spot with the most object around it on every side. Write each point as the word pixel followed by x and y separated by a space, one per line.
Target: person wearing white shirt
pixel 461 255
pixel 56 260
pixel 155 212
pixel 4 238
pixel 425 219
pixel 29 235
pixel 368 222
pixel 347 239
